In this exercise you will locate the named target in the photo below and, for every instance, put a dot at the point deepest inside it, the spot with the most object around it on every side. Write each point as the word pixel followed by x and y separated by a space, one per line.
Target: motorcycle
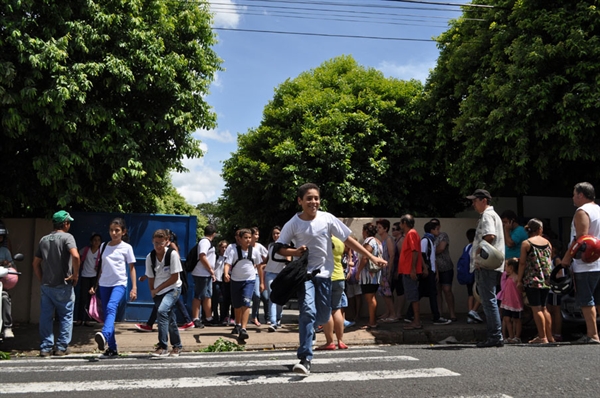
pixel 5 271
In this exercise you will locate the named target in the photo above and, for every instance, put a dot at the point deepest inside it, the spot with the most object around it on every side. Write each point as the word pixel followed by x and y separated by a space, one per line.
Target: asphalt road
pixel 373 371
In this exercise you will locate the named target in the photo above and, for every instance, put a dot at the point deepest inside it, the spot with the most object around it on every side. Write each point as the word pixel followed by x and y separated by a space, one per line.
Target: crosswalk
pixel 35 376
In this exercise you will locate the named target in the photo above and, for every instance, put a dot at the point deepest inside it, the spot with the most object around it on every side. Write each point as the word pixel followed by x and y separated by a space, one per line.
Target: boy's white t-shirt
pixel 244 270
pixel 88 268
pixel 115 261
pixel 316 235
pixel 274 266
pixel 205 246
pixel 164 273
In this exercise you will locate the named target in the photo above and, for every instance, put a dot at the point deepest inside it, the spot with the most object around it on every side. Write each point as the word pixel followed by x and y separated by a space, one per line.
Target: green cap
pixel 61 216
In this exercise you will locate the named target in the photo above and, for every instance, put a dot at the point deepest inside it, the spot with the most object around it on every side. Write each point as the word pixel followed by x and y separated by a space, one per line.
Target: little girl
pixel 512 302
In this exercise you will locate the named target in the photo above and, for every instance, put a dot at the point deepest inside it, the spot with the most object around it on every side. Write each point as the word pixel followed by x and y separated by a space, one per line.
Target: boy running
pixel 313 229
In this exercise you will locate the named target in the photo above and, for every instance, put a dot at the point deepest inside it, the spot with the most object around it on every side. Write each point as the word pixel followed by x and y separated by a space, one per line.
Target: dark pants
pixel 218 309
pixel 83 303
pixel 227 309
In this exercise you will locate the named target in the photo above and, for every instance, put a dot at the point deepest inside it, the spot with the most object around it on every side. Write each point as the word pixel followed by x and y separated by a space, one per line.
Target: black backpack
pixel 285 286
pixel 182 274
pixel 240 256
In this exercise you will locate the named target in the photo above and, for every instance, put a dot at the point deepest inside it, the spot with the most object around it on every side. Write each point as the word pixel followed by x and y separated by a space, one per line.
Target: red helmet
pixel 586 249
pixel 10 281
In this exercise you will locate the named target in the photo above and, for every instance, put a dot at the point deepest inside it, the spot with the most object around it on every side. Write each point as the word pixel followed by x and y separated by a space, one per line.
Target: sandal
pixel 326 347
pixel 342 346
pixel 538 340
pixel 256 322
pixel 369 327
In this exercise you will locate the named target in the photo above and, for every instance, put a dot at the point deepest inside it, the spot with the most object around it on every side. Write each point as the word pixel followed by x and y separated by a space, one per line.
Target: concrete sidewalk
pixel 130 340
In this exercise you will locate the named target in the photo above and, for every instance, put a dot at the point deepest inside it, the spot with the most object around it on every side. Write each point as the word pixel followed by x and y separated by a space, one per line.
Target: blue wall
pixel 140 229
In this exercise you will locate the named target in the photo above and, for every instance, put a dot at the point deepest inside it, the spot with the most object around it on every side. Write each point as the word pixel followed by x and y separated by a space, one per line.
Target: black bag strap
pixel 167 259
pixel 240 256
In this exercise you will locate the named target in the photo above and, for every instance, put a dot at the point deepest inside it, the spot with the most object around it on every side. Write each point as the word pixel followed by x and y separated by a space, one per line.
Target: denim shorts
pixel 338 297
pixel 202 287
pixel 587 288
pixel 411 289
pixel 241 293
pixel 446 277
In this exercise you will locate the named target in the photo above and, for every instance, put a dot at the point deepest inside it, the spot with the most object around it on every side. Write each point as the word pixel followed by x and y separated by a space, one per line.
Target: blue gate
pixel 140 229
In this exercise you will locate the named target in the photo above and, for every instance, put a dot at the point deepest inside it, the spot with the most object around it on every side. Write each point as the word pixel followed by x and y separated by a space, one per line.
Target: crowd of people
pixel 505 261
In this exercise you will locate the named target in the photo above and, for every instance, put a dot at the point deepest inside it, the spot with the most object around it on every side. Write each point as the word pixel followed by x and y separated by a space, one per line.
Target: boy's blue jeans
pixel 62 299
pixel 314 303
pixel 166 318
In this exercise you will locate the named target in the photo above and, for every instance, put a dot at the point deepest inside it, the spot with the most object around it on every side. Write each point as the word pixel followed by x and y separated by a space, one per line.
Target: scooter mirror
pixel 19 257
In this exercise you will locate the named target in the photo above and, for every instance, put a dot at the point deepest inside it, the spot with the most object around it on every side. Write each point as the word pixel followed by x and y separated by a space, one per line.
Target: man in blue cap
pixel 56 264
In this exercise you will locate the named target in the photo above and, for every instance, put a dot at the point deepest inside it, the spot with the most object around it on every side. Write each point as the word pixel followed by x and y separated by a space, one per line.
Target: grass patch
pixel 222 345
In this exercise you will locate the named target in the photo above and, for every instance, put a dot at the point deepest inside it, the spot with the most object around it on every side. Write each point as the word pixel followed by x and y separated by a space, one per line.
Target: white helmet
pixel 489 257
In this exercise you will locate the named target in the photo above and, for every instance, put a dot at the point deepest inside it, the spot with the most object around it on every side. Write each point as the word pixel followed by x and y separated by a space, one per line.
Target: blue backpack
pixel 463 267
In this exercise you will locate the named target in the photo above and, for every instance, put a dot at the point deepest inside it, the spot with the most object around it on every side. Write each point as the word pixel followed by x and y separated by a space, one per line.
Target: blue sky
pixel 256 63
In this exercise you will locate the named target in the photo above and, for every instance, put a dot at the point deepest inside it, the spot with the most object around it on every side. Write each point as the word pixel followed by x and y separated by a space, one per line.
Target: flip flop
pixel 256 322
pixel 326 347
pixel 342 346
pixel 369 327
pixel 538 340
pixel 412 327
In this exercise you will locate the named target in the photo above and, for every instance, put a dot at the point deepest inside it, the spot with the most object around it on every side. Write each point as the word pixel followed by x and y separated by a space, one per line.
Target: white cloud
pixel 419 71
pixel 225 13
pixel 202 184
pixel 220 136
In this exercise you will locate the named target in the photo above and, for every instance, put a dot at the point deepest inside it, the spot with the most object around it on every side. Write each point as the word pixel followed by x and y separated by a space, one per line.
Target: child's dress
pixel 512 298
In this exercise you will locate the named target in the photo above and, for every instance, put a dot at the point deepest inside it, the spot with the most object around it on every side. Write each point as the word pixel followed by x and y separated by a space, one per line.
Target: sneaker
pixel 45 354
pixel 109 354
pixel 225 321
pixel 243 334
pixel 161 352
pixel 236 329
pixel 231 322
pixel 585 340
pixel 142 327
pixel 470 320
pixel 198 324
pixel 187 326
pixel 302 368
pixel 349 324
pixel 100 340
pixel 175 352
pixel 272 328
pixel 212 322
pixel 475 316
pixel 442 321
pixel 490 343
pixel 8 333
pixel 62 353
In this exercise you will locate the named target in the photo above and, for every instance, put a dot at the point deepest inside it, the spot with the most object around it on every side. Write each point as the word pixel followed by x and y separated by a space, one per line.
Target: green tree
pixel 99 100
pixel 171 202
pixel 344 127
pixel 513 103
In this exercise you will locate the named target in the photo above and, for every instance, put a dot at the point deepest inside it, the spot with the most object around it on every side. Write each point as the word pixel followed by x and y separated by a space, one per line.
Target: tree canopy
pixel 99 99
pixel 513 103
pixel 346 128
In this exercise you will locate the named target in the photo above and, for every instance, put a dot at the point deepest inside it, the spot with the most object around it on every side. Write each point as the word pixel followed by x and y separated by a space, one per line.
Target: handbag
pixel 95 309
pixel 373 267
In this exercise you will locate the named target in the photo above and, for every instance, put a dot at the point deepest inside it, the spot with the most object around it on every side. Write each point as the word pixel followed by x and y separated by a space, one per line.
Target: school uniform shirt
pixel 162 273
pixel 316 235
pixel 205 246
pixel 272 266
pixel 88 268
pixel 115 261
pixel 244 270
pixel 219 268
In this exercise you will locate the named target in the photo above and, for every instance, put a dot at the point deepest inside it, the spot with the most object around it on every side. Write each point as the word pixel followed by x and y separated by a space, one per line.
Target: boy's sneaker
pixel 161 352
pixel 198 324
pixel 109 354
pixel 8 333
pixel 475 316
pixel 236 329
pixel 175 352
pixel 45 354
pixel 100 340
pixel 62 353
pixel 442 321
pixel 302 368
pixel 243 334
pixel 142 327
pixel 187 326
pixel 272 328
